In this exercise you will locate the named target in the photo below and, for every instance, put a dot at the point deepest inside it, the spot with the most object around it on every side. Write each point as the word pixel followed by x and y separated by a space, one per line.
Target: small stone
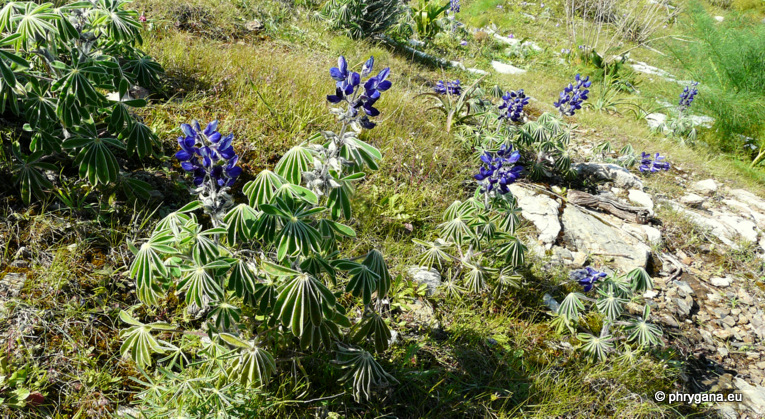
pixel 723 333
pixel 656 120
pixel 430 277
pixel 720 282
pixel 683 307
pixel 640 198
pixel 692 200
pixel 705 187
pixel 721 312
pixel 650 294
pixel 254 26
pixel 729 320
pixel 744 297
pixel 753 397
pixel 503 68
pixel 684 288
pixel 719 18
pixel 722 351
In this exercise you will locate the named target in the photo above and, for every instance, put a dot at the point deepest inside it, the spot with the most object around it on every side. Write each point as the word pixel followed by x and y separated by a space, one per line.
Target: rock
pixel 744 297
pixel 254 26
pixel 749 198
pixel 656 120
pixel 640 198
pixel 683 306
pixel 550 302
pixel 722 351
pixel 742 228
pixel 719 18
pixel 642 67
pixel 429 277
pixel 705 187
pixel 683 288
pixel 722 231
pixel 503 68
pixel 563 256
pixel 592 236
pixel 477 71
pixel 138 92
pixel 753 397
pixel 729 320
pixel 653 235
pixel 541 210
pixel 720 282
pixel 692 200
pixel 701 120
pixel 620 176
pixel 11 284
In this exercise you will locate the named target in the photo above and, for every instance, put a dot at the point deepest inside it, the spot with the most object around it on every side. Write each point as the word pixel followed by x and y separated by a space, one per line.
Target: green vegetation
pixel 83 338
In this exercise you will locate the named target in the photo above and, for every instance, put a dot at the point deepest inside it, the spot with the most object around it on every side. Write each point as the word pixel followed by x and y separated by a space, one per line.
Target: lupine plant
pixel 477 238
pixel 266 276
pixel 652 163
pixel 682 126
pixel 448 88
pixel 603 304
pixel 512 106
pixel 571 98
pixel 461 107
pixel 56 64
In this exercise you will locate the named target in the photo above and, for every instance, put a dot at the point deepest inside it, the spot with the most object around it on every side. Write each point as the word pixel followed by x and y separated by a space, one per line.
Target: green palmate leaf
pixel 278 270
pixel 120 24
pixel 293 163
pixel 320 336
pixel 339 201
pixel 301 301
pixel 263 297
pixel 513 250
pixel 139 344
pixel 139 139
pixel 363 280
pixel 315 264
pixel 226 315
pixel 373 326
pixel 640 281
pixel 571 306
pixel 96 162
pixel 201 282
pixel 242 279
pixel 119 118
pixel 148 264
pixel 364 371
pixel 475 277
pixel 609 304
pixel 254 365
pixel 376 263
pixel 136 189
pixel 262 189
pixel 435 252
pixel 361 153
pixel 144 70
pixel 240 223
pixel 598 346
pixel 28 174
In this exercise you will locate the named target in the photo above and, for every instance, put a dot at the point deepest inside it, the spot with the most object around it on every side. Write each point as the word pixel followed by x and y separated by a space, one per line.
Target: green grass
pixel 487 358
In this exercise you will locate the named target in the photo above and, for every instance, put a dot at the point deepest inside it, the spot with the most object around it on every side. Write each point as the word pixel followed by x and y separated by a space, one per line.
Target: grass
pixel 485 358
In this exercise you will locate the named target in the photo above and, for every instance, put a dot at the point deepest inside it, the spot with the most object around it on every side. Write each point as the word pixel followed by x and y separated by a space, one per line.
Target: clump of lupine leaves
pixel 267 275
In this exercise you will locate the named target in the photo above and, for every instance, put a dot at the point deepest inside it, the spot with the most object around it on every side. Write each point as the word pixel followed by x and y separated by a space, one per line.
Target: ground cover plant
pixel 272 248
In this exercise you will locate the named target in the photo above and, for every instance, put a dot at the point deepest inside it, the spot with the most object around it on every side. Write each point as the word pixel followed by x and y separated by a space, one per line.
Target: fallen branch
pixel 632 214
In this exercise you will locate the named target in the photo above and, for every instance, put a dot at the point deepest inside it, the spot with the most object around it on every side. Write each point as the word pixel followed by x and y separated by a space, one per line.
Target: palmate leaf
pixel 640 281
pixel 296 236
pixel 95 160
pixel 376 263
pixel 254 364
pixel 363 280
pixel 358 151
pixel 610 304
pixel 144 70
pixel 201 282
pixel 148 264
pixel 645 333
pixel 598 346
pixel 121 24
pixel 373 326
pixel 512 249
pixel 316 263
pixel 139 344
pixel 320 336
pixel 571 306
pixel 226 315
pixel 242 279
pixel 262 190
pixel 293 163
pixel 35 20
pixel 434 252
pixel 339 200
pixel 301 301
pixel 240 223
pixel 364 371
pixel 139 139
pixel 475 277
pixel 28 175
pixel 263 297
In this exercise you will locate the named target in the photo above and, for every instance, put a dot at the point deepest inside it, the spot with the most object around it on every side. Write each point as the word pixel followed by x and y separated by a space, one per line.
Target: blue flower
pixel 686 98
pixel 347 90
pixel 587 277
pixel 454 5
pixel 512 105
pixel 207 154
pixel 499 170
pixel 450 88
pixel 652 164
pixel 573 95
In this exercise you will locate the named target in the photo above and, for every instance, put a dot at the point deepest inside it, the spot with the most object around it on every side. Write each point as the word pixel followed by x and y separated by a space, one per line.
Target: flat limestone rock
pixel 620 176
pixel 541 210
pixel 504 68
pixel 590 235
